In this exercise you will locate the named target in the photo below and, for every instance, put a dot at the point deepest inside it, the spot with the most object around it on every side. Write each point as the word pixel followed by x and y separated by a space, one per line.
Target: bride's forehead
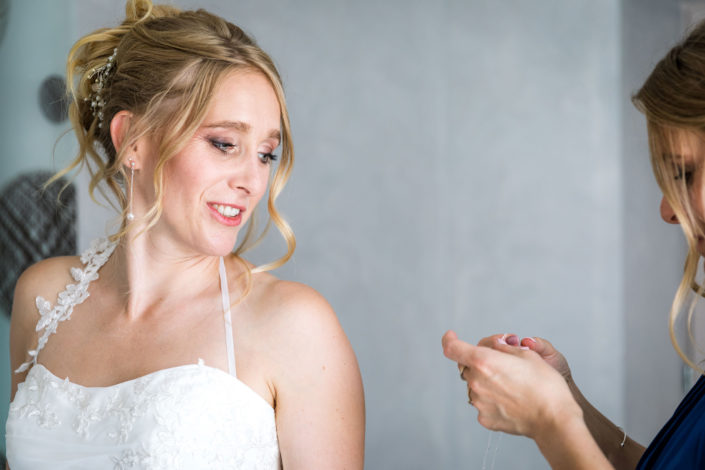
pixel 244 96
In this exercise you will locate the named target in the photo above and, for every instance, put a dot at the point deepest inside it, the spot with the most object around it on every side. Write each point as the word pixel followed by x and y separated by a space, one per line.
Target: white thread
pixel 487 450
pixel 496 449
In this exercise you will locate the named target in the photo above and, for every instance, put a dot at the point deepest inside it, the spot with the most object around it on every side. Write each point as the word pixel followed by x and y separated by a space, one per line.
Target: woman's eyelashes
pixel 267 157
pixel 232 149
pixel 223 146
pixel 684 173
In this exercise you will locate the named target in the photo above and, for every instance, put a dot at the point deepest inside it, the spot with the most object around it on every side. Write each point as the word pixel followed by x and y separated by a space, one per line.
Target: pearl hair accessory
pixel 102 73
pixel 130 215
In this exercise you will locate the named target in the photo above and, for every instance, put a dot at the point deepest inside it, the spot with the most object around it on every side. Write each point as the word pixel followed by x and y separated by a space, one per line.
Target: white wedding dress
pixel 187 417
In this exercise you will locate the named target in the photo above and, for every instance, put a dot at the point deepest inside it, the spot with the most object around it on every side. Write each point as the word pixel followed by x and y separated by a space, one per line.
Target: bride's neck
pixel 146 272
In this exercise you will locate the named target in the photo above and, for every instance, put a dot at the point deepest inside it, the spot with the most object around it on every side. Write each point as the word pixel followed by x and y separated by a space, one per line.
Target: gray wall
pixel 460 164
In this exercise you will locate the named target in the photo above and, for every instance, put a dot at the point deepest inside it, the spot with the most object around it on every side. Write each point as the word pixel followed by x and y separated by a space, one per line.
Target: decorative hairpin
pixel 102 73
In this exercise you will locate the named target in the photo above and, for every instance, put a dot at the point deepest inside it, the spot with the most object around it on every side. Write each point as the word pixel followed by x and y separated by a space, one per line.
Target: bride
pixel 161 347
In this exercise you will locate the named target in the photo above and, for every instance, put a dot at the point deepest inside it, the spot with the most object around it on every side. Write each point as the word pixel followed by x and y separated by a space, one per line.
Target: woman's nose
pixel 667 213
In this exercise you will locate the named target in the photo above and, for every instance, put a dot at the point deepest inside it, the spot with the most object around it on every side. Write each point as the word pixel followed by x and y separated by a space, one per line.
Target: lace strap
pixel 49 317
pixel 227 318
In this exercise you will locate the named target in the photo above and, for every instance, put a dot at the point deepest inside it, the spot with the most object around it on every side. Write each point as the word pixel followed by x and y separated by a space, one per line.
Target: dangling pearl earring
pixel 130 215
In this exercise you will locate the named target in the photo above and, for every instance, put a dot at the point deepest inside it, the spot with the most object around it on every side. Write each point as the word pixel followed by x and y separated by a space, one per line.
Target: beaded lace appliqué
pixel 50 317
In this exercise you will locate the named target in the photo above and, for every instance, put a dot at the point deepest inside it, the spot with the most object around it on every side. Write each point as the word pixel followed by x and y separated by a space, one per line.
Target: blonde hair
pixel 673 101
pixel 166 67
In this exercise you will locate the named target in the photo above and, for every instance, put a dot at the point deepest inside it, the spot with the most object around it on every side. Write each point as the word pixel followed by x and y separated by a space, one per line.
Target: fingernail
pixel 513 340
pixel 501 339
pixel 532 340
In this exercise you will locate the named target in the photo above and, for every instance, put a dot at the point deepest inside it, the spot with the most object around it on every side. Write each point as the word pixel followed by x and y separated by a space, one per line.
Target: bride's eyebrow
pixel 237 125
pixel 242 127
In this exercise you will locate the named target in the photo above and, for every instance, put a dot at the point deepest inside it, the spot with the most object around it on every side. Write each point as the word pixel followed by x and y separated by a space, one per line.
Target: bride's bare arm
pixel 319 399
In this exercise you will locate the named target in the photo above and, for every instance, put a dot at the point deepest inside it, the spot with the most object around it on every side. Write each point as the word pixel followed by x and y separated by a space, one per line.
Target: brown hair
pixel 166 60
pixel 673 101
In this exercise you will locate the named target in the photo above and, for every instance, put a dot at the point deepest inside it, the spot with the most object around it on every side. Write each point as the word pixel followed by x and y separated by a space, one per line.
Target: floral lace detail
pixel 40 409
pixel 131 458
pixel 93 258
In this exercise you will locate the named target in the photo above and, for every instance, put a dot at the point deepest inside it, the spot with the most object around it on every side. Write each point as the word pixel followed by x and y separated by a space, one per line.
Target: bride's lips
pixel 226 214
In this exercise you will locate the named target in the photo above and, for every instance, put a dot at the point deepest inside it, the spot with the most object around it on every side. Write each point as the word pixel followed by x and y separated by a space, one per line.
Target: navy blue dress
pixel 681 442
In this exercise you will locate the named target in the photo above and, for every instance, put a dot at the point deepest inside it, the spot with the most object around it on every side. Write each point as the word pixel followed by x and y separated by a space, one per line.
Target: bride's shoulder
pixel 291 301
pixel 305 343
pixel 288 306
pixel 46 277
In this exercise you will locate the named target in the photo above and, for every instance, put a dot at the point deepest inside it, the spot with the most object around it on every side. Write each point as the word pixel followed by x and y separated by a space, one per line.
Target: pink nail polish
pixel 513 340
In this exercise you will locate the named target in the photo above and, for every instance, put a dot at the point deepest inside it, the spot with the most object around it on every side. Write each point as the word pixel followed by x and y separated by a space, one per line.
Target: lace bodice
pixel 187 417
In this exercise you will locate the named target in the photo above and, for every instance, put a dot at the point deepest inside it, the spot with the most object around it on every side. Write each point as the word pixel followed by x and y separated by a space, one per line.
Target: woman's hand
pixel 515 390
pixel 539 345
pixel 520 387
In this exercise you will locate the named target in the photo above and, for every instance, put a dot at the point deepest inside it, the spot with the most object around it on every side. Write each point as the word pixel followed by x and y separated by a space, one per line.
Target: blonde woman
pixel 161 347
pixel 524 386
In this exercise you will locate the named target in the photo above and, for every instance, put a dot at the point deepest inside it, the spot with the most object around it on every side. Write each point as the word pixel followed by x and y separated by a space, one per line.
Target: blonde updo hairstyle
pixel 166 67
pixel 673 101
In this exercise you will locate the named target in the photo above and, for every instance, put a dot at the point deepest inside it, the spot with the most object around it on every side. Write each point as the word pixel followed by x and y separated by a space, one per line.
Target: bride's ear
pixel 119 133
pixel 119 128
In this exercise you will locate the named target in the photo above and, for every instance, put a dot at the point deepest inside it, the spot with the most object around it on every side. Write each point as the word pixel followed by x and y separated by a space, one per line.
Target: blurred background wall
pixel 464 164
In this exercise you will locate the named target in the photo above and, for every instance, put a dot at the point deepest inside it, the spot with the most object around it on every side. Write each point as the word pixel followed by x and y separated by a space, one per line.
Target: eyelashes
pixel 685 174
pixel 230 149
pixel 267 157
pixel 224 147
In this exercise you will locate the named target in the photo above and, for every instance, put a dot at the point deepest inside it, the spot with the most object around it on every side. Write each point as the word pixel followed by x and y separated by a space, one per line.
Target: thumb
pixel 457 350
pixel 449 336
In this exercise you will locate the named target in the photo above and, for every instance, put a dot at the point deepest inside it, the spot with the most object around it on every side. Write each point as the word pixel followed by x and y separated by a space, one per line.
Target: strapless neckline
pixel 151 375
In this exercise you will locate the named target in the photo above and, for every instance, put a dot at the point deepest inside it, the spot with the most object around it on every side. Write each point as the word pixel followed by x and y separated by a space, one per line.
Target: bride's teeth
pixel 227 211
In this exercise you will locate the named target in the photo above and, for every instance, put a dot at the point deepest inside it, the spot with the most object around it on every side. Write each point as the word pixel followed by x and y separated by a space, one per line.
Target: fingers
pixel 491 341
pixel 463 353
pixel 508 343
pixel 539 345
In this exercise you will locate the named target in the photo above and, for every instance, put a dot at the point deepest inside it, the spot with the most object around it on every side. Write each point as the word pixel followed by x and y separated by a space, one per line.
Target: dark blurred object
pixel 4 15
pixel 53 100
pixel 33 225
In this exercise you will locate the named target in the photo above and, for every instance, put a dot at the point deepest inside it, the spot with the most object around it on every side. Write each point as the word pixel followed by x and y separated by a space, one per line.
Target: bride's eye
pixel 267 157
pixel 223 146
